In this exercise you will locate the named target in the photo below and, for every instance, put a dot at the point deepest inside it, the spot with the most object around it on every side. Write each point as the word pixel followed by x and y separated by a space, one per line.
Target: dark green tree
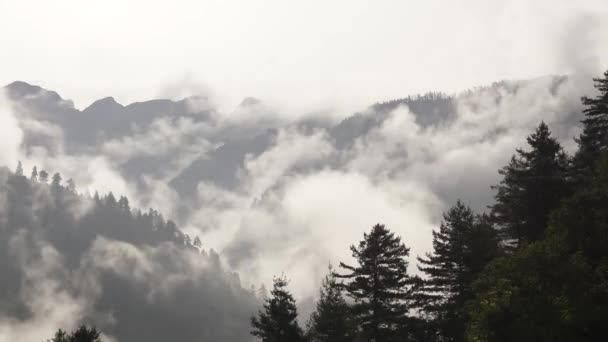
pixel 533 185
pixel 331 321
pixel 555 289
pixel 594 138
pixel 85 334
pixel 277 322
pixel 462 246
pixel 60 336
pixel 380 286
pixel 82 334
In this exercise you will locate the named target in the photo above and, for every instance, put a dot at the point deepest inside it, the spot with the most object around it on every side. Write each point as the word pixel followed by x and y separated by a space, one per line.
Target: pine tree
pixel 84 334
pixel 331 321
pixel 533 185
pixel 60 336
pixel 379 284
pixel 123 203
pixel 462 247
pixel 34 175
pixel 110 200
pixel 277 322
pixel 594 138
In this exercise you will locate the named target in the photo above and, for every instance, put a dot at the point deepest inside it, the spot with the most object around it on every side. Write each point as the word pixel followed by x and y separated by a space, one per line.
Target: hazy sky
pixel 300 54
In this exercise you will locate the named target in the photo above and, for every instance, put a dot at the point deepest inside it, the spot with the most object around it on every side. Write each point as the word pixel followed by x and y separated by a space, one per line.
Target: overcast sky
pixel 300 54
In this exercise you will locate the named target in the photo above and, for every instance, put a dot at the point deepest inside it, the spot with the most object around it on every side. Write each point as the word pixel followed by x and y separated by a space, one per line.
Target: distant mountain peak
pixel 20 89
pixel 105 104
pixel 24 86
pixel 36 96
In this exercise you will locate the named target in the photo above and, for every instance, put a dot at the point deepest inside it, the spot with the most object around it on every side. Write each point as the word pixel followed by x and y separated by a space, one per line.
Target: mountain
pixel 103 120
pixel 187 142
pixel 246 180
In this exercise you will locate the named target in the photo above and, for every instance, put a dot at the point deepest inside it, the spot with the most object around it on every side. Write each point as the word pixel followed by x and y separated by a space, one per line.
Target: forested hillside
pixel 98 260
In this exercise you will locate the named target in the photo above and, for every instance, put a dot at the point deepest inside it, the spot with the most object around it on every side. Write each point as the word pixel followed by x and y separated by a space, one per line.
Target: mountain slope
pixel 66 257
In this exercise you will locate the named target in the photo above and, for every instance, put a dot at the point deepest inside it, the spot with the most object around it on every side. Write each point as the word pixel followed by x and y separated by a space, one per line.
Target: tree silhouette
pixel 462 247
pixel 379 284
pixel 533 185
pixel 82 334
pixel 331 321
pixel 594 138
pixel 555 289
pixel 277 322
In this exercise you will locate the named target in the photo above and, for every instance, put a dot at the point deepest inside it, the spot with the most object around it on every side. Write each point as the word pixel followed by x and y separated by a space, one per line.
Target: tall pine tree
pixel 594 138
pixel 277 322
pixel 331 321
pixel 380 286
pixel 462 246
pixel 533 185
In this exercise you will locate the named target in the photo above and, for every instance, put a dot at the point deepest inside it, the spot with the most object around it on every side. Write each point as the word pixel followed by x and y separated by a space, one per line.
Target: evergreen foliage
pixel 462 246
pixel 557 288
pixel 331 321
pixel 82 334
pixel 594 138
pixel 533 185
pixel 379 285
pixel 277 322
pixel 37 217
